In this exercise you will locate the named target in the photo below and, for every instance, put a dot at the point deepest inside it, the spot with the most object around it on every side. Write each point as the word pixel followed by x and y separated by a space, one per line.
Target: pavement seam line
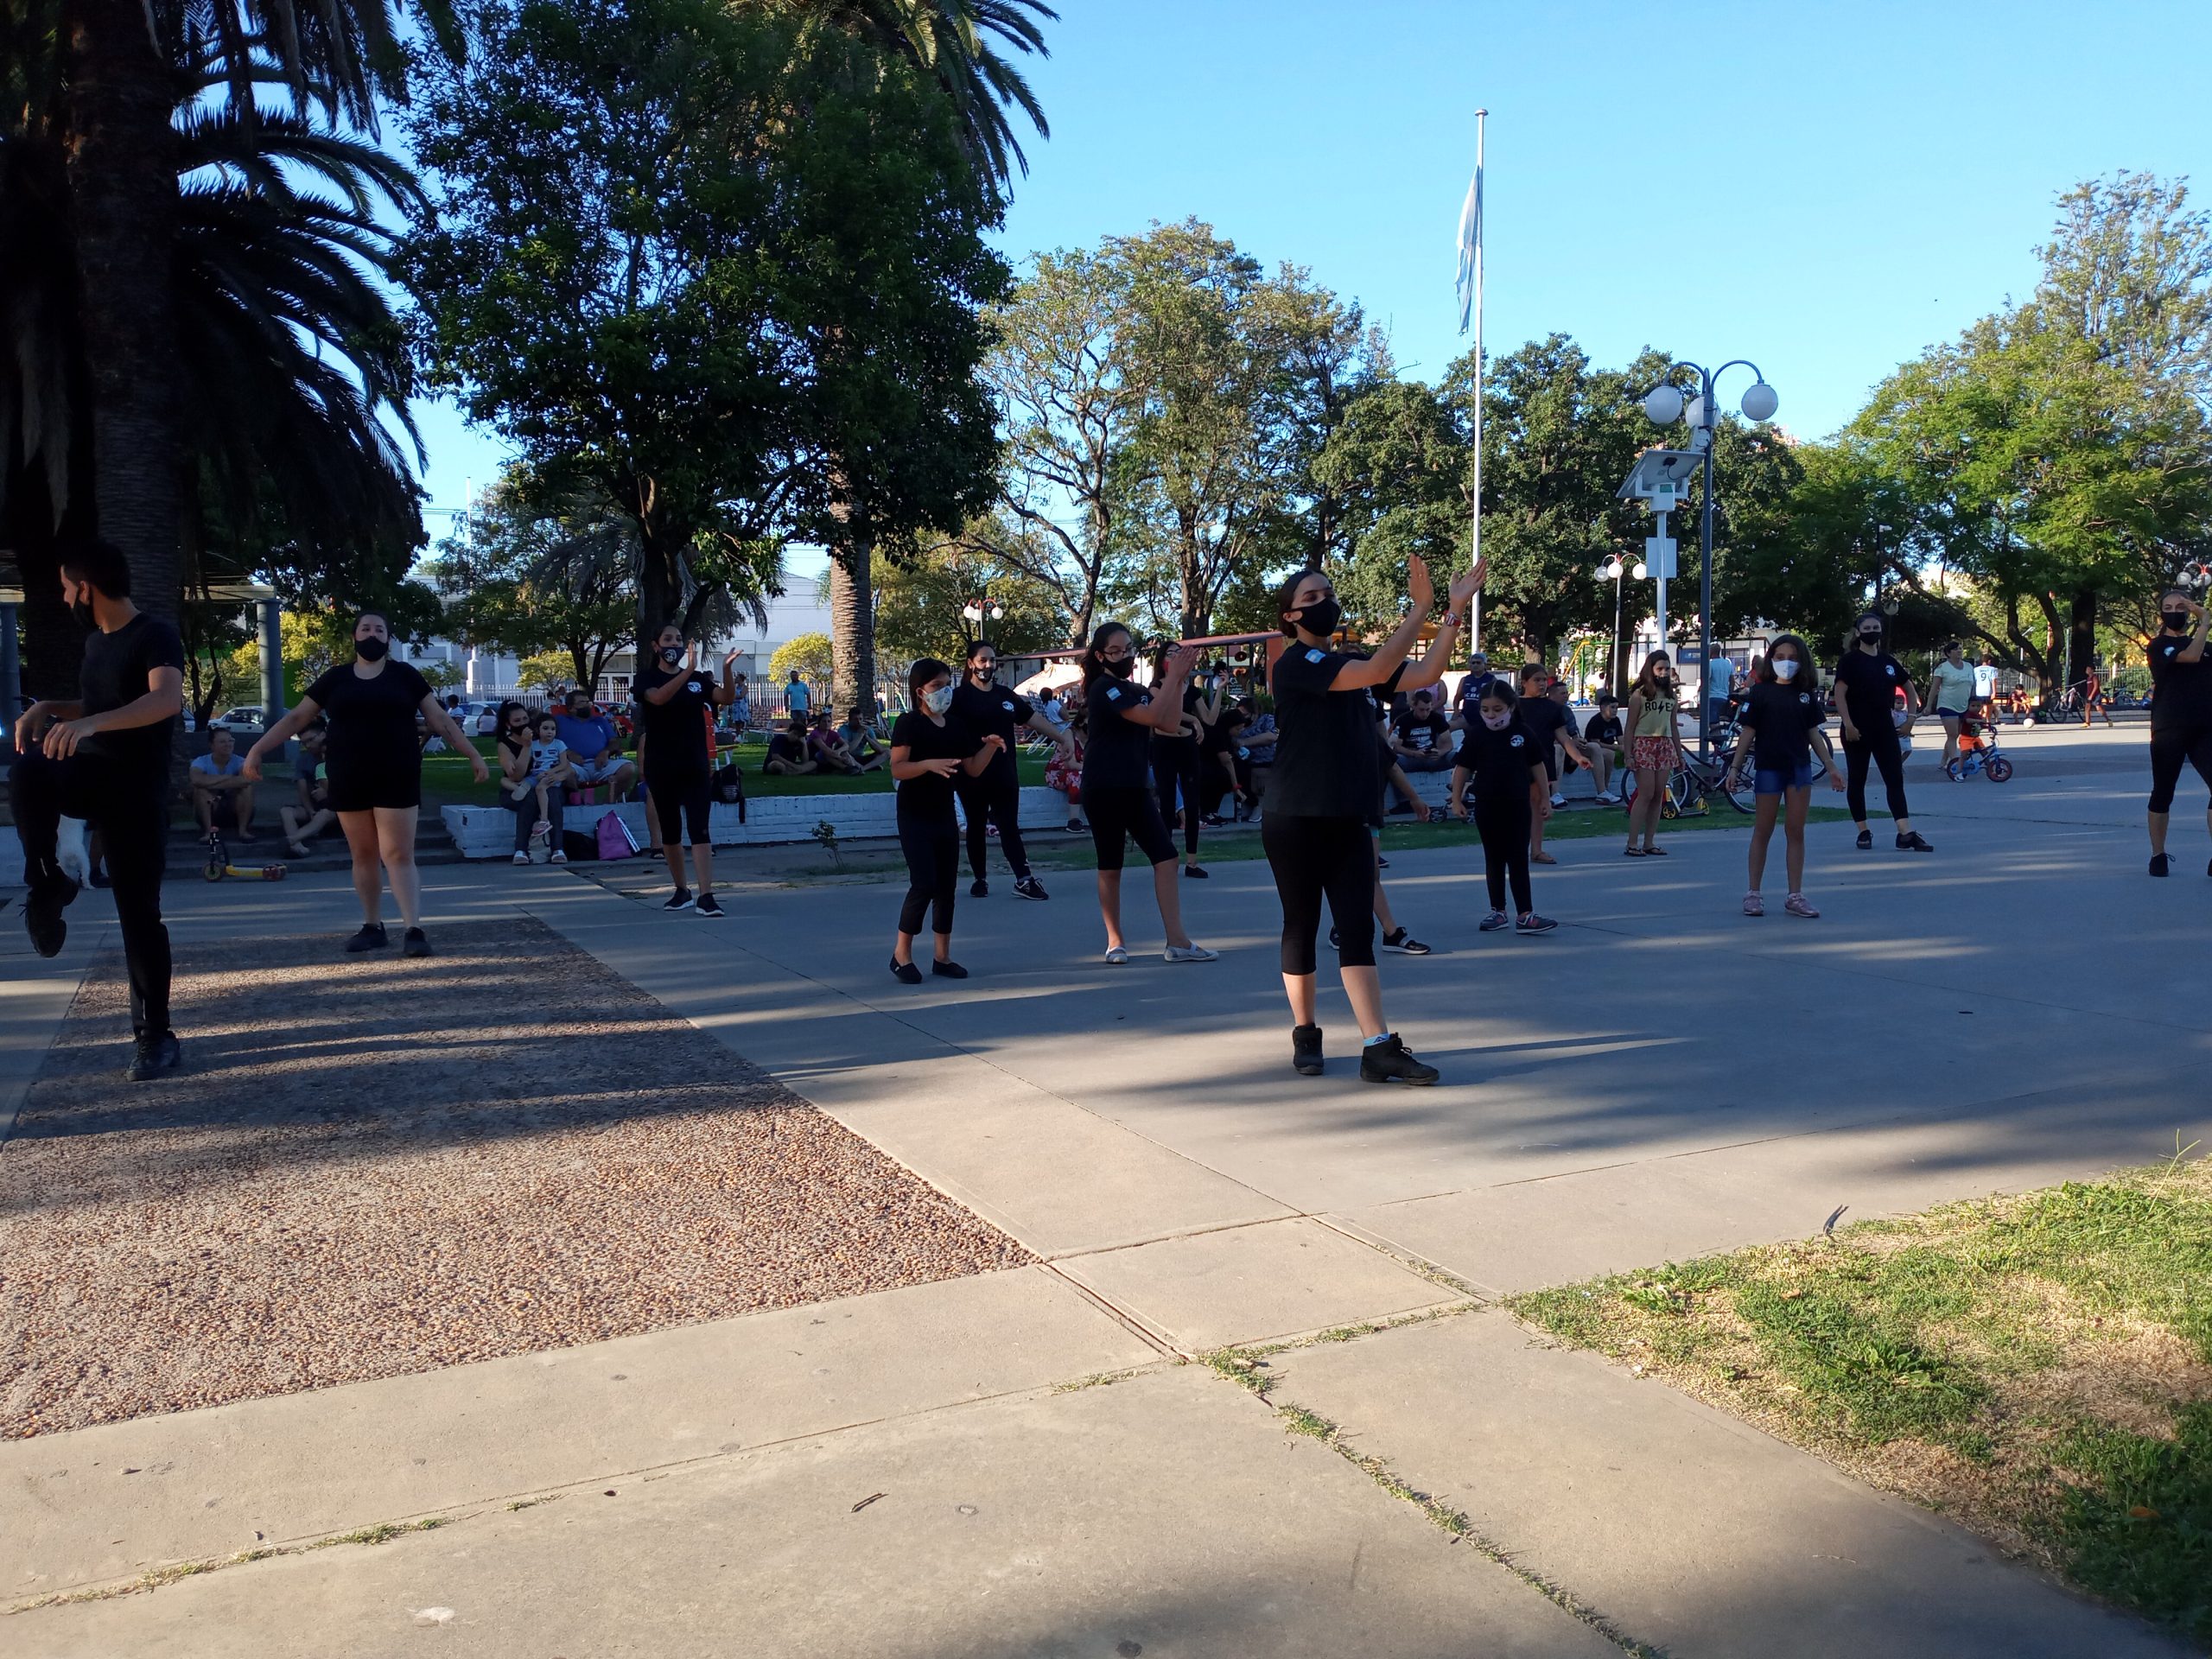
pixel 1137 1325
pixel 1411 1260
pixel 1233 1364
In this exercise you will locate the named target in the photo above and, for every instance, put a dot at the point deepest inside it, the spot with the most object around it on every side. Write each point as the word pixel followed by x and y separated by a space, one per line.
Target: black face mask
pixel 2176 621
pixel 1871 639
pixel 1120 671
pixel 1321 617
pixel 671 655
pixel 370 650
pixel 80 612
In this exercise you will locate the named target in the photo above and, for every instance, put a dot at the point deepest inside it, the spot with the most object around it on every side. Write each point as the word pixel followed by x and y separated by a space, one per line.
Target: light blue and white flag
pixel 1471 246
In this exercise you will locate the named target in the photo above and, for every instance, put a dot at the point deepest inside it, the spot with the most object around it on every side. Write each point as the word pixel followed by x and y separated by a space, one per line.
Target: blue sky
pixel 1859 181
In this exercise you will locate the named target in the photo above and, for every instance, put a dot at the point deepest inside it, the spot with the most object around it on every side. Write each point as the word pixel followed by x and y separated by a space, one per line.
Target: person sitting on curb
pixel 220 787
pixel 594 746
pixel 826 749
pixel 860 741
pixel 310 814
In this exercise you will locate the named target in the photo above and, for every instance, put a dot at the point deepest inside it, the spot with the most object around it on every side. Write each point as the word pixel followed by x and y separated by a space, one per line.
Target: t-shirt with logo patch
pixel 1869 684
pixel 1782 718
pixel 1501 760
pixel 1422 732
pixel 1328 758
pixel 1119 753
pixel 676 731
pixel 2180 693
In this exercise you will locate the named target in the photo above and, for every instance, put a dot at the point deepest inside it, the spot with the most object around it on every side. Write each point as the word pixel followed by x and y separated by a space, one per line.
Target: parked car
pixel 478 719
pixel 244 718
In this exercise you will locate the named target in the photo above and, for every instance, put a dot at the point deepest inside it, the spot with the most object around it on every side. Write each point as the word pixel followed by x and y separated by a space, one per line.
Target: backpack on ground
pixel 614 838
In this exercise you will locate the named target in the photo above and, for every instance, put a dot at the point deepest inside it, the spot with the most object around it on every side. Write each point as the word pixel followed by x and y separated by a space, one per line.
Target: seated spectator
pixel 1259 732
pixel 220 787
pixel 1419 738
pixel 550 771
pixel 826 748
pixel 1064 772
pixel 1225 768
pixel 859 738
pixel 519 752
pixel 593 746
pixel 310 814
pixel 787 755
pixel 1601 735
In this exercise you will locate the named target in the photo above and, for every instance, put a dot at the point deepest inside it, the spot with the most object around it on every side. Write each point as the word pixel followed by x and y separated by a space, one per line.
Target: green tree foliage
pixel 811 654
pixel 919 601
pixel 526 579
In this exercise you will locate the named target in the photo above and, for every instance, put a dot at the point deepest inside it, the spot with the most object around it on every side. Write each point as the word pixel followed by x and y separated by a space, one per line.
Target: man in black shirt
pixel 675 703
pixel 1868 680
pixel 994 796
pixel 1601 735
pixel 102 761
pixel 1420 737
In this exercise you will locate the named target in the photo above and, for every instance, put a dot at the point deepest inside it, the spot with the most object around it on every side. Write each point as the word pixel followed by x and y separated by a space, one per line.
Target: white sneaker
pixel 1190 953
pixel 1607 798
pixel 521 857
pixel 1118 956
pixel 73 857
pixel 1559 800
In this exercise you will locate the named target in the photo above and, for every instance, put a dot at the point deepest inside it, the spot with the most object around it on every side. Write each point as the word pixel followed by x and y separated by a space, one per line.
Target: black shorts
pixel 359 786
pixel 1121 813
pixel 683 801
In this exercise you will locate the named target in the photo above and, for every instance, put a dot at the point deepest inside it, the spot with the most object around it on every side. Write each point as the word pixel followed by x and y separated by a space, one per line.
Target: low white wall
pixel 489 831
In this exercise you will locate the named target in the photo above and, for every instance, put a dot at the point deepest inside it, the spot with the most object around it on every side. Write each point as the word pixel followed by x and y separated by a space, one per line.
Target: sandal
pixel 1654 851
pixel 1632 852
pixel 1541 858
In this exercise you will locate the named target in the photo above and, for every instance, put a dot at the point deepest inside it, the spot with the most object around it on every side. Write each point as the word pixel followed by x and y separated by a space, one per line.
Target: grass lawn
pixel 446 780
pixel 2038 1367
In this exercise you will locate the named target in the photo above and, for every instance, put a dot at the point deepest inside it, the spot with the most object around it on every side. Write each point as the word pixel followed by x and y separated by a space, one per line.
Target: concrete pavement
pixel 1663 1075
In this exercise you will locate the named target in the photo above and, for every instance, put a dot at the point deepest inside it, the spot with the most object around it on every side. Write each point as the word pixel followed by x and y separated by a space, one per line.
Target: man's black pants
pixel 133 822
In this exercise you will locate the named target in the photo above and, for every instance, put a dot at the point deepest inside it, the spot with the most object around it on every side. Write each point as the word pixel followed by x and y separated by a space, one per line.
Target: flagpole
pixel 1474 616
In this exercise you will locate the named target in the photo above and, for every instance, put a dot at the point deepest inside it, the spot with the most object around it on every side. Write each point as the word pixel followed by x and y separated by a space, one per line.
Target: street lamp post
pixel 973 613
pixel 1612 570
pixel 1665 406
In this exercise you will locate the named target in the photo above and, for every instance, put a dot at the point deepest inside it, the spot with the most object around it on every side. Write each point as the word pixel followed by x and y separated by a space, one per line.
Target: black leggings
pixel 1505 825
pixel 1175 770
pixel 133 825
pixel 1887 756
pixel 1124 812
pixel 995 798
pixel 932 849
pixel 2168 750
pixel 1317 858
pixel 680 800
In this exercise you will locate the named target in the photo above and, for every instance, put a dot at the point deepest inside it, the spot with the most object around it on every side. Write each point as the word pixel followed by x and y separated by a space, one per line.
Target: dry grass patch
pixel 2038 1367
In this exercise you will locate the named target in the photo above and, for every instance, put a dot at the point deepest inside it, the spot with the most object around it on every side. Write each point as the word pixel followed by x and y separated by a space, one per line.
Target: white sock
pixel 70 853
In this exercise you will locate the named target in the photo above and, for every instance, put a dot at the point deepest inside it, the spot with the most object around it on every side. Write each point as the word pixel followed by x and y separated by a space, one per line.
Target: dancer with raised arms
pixel 1314 822
pixel 1117 776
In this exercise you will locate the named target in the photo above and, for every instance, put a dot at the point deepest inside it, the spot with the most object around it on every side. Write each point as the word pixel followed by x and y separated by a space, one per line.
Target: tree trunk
pixel 2081 633
pixel 852 630
pixel 660 589
pixel 123 189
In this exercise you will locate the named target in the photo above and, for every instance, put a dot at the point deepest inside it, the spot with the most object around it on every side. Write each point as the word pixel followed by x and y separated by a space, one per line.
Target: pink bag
pixel 614 838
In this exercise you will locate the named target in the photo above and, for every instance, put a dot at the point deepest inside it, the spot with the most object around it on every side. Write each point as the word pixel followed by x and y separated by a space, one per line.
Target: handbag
pixel 614 838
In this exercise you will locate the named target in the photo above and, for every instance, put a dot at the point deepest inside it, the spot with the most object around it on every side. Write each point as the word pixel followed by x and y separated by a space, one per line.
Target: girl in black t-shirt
pixel 374 761
pixel 928 752
pixel 676 700
pixel 2181 710
pixel 1117 794
pixel 1327 777
pixel 1510 796
pixel 1783 721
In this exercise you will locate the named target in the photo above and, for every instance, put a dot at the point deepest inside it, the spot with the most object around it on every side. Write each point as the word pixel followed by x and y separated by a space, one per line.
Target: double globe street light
pixel 1664 405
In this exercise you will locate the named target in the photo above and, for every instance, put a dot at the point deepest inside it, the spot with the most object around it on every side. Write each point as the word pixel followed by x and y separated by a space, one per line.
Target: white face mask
pixel 1497 722
pixel 938 699
pixel 1785 671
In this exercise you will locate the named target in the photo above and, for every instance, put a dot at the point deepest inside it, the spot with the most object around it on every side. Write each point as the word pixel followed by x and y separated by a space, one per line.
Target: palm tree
pixel 283 346
pixel 957 44
pixel 121 66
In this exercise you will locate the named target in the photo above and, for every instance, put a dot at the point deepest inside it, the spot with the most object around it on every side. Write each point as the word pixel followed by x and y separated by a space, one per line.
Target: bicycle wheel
pixel 1956 771
pixel 1682 794
pixel 1999 769
pixel 1745 796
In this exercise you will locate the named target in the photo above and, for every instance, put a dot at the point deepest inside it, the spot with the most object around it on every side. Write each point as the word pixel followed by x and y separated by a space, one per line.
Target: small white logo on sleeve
pixel 1517 742
pixel 1007 706
pixel 1890 670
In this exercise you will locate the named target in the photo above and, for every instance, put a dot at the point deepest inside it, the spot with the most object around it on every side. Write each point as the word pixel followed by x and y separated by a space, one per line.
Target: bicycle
pixel 1984 758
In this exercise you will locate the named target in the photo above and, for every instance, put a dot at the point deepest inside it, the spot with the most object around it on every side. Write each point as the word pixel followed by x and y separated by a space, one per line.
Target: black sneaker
pixel 1391 1061
pixel 1029 887
pixel 680 900
pixel 947 970
pixel 1305 1050
pixel 2160 864
pixel 981 890
pixel 1912 841
pixel 157 1057
pixel 1197 873
pixel 413 943
pixel 1404 943
pixel 1865 840
pixel 905 972
pixel 371 937
pixel 42 908
pixel 1532 923
pixel 711 907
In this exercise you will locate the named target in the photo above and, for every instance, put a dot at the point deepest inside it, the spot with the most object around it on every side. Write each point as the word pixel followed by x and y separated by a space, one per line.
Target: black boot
pixel 1305 1050
pixel 1390 1061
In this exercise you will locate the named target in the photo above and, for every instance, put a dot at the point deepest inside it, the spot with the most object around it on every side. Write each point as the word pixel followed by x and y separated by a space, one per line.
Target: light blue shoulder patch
pixel 1313 656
